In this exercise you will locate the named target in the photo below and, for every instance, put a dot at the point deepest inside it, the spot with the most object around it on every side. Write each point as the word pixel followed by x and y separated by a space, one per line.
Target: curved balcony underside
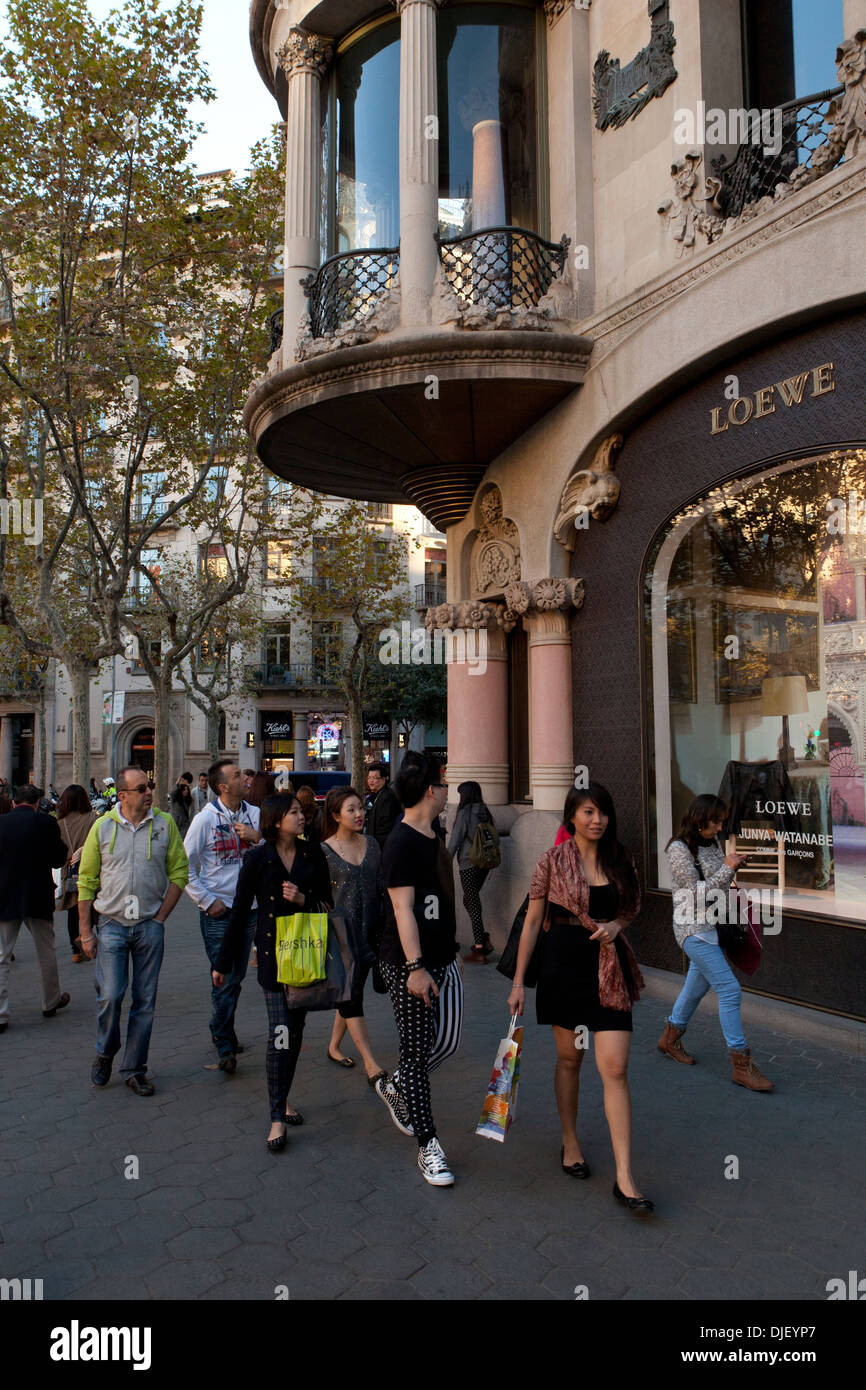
pixel 363 422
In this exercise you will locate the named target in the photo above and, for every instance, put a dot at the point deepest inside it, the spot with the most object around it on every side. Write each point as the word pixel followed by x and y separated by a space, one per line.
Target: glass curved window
pixel 366 175
pixel 755 633
pixel 488 124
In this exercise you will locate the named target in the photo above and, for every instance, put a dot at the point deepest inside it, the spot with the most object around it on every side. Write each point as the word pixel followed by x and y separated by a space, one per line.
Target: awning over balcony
pixel 366 422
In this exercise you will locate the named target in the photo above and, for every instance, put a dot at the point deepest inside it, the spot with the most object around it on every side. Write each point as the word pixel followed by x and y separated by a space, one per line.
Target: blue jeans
pixel 145 942
pixel 224 997
pixel 709 969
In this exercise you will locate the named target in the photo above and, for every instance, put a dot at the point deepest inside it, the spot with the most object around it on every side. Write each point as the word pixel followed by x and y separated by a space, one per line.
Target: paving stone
pixel 182 1278
pixel 36 1226
pixel 379 1291
pixel 221 1211
pixel 83 1241
pixel 328 1246
pixel 386 1262
pixel 444 1279
pixel 202 1242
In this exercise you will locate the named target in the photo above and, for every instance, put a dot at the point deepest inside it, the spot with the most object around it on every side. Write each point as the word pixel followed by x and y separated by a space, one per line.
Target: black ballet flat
pixel 574 1170
pixel 296 1119
pixel 276 1146
pixel 641 1206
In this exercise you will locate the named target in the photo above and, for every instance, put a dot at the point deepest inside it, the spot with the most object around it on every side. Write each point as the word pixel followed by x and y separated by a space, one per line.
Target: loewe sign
pixel 790 392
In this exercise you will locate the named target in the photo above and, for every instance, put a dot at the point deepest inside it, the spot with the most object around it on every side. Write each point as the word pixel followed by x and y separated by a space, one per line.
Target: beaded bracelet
pixel 415 965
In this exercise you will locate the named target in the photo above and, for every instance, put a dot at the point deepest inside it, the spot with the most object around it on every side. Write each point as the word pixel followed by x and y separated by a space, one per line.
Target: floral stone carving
pixel 496 553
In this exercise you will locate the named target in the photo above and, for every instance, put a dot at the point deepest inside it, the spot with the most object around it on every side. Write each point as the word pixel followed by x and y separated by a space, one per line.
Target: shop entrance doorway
pixel 141 752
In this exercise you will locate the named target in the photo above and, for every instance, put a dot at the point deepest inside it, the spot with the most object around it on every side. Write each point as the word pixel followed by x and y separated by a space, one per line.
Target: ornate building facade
pixel 585 283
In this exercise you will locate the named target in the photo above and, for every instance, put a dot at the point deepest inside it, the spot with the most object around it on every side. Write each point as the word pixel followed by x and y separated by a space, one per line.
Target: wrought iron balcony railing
pixel 751 173
pixel 380 511
pixel 429 595
pixel 502 267
pixel 17 686
pixel 292 677
pixel 348 286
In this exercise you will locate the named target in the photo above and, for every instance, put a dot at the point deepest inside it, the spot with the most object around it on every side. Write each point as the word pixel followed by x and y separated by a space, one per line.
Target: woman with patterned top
pixel 355 865
pixel 585 891
pixel 695 857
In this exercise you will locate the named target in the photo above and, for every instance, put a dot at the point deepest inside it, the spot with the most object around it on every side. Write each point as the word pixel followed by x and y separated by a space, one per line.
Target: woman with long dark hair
pixel 587 889
pixel 283 875
pixel 313 817
pixel 181 807
pixel 694 857
pixel 262 785
pixel 75 815
pixel 355 865
pixel 471 812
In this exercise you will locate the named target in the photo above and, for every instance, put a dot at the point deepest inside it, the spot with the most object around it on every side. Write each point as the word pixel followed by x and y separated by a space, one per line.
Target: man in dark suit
pixel 383 808
pixel 30 847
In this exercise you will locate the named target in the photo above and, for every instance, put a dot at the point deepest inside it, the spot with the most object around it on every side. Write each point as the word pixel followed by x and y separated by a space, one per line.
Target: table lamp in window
pixel 784 695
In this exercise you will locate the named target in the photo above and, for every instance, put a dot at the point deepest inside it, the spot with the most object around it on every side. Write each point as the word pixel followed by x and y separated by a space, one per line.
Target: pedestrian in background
pixel 133 872
pixel 383 808
pixel 694 857
pixel 471 812
pixel 587 889
pixel 5 804
pixel 313 817
pixel 263 785
pixel 75 816
pixel 215 844
pixel 181 806
pixel 200 794
pixel 30 847
pixel 284 875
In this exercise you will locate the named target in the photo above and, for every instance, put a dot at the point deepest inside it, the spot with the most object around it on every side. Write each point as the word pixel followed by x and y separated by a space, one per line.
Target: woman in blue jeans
pixel 695 855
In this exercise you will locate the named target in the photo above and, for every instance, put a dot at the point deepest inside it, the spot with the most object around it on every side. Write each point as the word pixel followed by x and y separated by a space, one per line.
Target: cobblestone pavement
pixel 344 1212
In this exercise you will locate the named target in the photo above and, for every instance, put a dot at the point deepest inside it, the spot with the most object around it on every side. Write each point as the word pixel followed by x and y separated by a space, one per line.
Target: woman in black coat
pixel 283 875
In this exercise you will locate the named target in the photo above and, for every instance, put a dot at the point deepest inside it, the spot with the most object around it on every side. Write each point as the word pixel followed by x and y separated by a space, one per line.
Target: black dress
pixel 567 992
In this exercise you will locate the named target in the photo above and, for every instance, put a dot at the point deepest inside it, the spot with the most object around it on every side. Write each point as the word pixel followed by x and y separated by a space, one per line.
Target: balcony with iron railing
pixel 756 169
pixel 347 287
pixel 293 677
pixel 501 267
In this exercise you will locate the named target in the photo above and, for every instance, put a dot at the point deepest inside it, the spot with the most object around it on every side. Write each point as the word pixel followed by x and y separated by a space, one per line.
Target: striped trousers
pixel 428 1035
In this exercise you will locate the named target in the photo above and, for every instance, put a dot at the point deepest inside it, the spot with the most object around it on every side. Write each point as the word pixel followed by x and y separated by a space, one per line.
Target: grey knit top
pixel 685 878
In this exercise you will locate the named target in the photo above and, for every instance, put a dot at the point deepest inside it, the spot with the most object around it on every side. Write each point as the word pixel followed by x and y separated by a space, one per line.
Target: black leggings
pixel 472 881
pixel 285 1035
pixel 427 1036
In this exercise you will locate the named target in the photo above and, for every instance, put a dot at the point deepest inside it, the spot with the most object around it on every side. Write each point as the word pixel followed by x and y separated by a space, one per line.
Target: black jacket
pixel 261 880
pixel 30 847
pixel 382 815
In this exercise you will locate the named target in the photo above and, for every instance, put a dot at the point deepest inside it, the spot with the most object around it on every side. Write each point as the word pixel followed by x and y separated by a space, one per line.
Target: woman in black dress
pixel 282 875
pixel 587 975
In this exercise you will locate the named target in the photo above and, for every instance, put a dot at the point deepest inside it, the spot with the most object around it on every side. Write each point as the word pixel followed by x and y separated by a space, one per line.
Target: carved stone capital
pixel 591 493
pixel 547 628
pixel 544 596
pixel 305 52
pixel 470 614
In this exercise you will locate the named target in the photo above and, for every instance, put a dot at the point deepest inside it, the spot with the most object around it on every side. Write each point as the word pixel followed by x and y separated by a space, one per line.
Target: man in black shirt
pixel 383 807
pixel 417 957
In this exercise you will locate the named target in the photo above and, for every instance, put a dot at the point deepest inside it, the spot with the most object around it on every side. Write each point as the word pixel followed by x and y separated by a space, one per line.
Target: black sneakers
pixel 397 1107
pixel 100 1071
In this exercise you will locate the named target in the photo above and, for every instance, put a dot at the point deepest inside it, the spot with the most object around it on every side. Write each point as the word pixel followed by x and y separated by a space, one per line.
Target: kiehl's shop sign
pixel 784 395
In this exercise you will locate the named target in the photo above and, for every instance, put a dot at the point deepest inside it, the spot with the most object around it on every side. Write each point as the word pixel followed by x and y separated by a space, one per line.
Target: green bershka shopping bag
pixel 302 940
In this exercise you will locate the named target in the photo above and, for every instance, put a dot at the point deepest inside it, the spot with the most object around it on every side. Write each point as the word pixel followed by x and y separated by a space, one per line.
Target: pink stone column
pixel 550 710
pixel 478 722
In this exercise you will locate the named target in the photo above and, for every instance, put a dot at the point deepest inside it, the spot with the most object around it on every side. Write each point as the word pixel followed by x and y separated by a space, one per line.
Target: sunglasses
pixel 145 788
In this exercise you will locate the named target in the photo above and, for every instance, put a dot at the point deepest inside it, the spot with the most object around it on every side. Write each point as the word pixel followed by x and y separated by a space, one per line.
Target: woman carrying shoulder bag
pixel 282 875
pixel 471 811
pixel 75 816
pixel 695 856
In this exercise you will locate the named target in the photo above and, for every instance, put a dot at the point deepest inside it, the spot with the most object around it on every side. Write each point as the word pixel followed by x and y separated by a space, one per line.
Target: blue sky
pixel 244 109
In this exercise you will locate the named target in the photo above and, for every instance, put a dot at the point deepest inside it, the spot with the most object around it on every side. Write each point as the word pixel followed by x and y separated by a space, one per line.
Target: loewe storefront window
pixel 755 631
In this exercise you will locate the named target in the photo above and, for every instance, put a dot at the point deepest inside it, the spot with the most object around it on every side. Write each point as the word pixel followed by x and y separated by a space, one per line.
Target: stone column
pixel 305 59
pixel 860 592
pixel 301 758
pixel 6 747
pixel 551 762
pixel 544 606
pixel 470 636
pixel 570 123
pixel 419 157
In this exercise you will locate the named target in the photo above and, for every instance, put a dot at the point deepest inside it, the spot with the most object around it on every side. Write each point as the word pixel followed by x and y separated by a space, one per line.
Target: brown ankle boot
pixel 747 1074
pixel 669 1043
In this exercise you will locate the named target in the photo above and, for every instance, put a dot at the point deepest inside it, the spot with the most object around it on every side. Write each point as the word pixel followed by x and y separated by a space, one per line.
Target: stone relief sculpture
pixel 593 491
pixel 495 561
pixel 620 93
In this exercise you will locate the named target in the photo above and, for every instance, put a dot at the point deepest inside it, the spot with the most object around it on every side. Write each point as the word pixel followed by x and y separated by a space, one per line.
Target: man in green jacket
pixel 133 871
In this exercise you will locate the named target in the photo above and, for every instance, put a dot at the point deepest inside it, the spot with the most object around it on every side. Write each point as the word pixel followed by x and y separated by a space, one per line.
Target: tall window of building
pixel 276 646
pixel 364 112
pixel 215 483
pixel 149 500
pixel 755 622
pixel 213 560
pixel 327 650
pixel 277 560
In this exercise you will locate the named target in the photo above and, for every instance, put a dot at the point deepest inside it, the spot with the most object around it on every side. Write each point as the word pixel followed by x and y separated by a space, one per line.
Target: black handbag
pixel 732 936
pixel 507 963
